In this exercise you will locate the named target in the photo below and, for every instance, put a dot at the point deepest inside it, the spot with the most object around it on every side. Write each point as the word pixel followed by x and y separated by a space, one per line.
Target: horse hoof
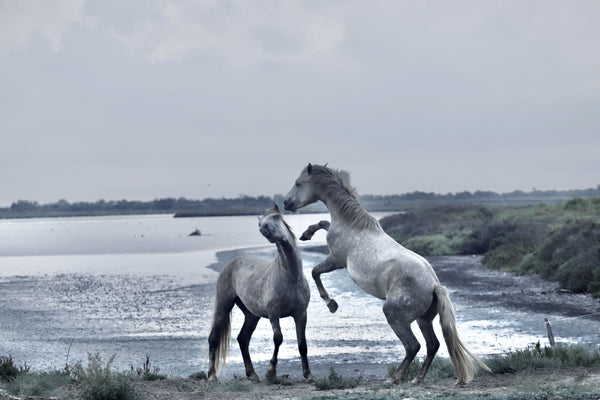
pixel 332 305
pixel 416 381
pixel 213 378
pixel 271 374
pixel 305 237
pixel 310 378
pixel 252 377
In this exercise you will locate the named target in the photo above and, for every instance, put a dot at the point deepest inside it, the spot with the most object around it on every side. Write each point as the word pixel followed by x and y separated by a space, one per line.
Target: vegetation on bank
pixel 244 205
pixel 98 380
pixel 560 242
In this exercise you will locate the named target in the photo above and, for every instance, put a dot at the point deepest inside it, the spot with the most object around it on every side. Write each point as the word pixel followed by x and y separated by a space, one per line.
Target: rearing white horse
pixel 383 268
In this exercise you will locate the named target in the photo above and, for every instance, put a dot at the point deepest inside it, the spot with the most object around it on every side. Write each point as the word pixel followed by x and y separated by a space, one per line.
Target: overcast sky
pixel 148 99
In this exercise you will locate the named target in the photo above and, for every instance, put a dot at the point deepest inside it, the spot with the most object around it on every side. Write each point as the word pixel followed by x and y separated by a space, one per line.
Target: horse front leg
pixel 312 229
pixel 324 267
pixel 277 340
pixel 302 347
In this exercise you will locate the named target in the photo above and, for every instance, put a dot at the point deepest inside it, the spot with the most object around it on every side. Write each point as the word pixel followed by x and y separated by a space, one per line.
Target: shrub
pixel 576 203
pixel 37 384
pixel 506 242
pixel 570 255
pixel 429 245
pixel 336 381
pixel 534 357
pixel 201 376
pixel 99 382
pixel 8 370
pixel 146 373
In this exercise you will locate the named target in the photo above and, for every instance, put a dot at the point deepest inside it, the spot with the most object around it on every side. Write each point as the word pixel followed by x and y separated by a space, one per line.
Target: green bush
pixel 535 357
pixel 38 384
pixel 336 381
pixel 146 372
pixel 8 369
pixel 200 376
pixel 570 255
pixel 99 382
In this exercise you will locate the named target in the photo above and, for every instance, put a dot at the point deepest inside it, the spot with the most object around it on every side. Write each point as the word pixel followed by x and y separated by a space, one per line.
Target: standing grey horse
pixel 269 290
pixel 383 268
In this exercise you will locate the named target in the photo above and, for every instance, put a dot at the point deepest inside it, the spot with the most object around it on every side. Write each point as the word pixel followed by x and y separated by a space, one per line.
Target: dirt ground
pixel 483 386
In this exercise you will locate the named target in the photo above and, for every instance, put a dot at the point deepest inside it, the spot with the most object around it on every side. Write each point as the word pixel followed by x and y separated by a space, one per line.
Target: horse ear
pixel 276 207
pixel 309 168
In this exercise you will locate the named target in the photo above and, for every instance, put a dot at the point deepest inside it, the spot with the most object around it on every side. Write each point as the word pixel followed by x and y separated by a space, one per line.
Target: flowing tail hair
pixel 224 332
pixel 459 353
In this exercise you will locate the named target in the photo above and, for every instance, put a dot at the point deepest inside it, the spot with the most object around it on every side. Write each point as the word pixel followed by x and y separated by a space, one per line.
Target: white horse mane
pixel 335 185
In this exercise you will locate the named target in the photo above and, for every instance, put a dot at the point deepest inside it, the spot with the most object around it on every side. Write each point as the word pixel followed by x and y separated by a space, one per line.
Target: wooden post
pixel 550 335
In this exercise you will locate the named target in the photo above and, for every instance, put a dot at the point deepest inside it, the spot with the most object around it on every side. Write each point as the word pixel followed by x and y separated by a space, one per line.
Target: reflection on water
pixel 160 303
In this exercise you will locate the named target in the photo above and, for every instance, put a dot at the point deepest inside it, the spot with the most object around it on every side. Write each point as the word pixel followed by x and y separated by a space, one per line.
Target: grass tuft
pixel 336 381
pixel 99 382
pixel 200 376
pixel 44 383
pixel 536 357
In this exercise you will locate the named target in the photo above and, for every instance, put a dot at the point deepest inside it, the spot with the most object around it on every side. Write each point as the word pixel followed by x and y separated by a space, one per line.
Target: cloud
pixel 243 33
pixel 24 22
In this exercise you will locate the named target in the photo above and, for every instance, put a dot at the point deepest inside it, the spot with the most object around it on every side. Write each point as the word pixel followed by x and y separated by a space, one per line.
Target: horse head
pixel 273 226
pixel 303 192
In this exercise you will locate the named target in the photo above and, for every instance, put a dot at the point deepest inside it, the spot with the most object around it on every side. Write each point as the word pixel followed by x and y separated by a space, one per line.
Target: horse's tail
pixel 459 353
pixel 224 337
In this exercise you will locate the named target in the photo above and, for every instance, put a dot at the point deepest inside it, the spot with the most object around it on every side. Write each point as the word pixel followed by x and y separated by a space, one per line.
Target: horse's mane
pixel 335 186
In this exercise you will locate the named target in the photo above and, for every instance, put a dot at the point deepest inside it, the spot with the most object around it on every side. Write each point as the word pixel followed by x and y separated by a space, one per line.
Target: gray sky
pixel 147 99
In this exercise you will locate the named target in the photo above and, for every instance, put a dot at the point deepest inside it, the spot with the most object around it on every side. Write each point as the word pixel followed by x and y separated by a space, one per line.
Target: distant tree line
pixel 245 205
pixel 62 208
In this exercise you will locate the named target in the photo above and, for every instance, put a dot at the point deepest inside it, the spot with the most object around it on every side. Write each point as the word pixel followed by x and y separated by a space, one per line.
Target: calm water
pixel 139 285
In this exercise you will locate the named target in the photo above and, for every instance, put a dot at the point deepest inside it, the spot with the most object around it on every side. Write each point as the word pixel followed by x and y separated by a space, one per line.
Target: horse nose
pixel 288 205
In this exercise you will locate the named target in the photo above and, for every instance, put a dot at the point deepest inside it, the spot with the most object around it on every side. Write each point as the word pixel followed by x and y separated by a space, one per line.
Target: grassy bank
pixel 522 374
pixel 559 242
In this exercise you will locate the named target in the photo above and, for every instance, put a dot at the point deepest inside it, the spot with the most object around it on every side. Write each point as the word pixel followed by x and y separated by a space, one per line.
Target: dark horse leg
pixel 400 323
pixel 277 340
pixel 302 348
pixel 324 267
pixel 433 344
pixel 243 339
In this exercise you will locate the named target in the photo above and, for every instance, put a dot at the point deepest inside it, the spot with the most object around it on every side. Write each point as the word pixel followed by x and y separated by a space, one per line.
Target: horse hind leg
pixel 243 339
pixel 401 326
pixel 433 344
